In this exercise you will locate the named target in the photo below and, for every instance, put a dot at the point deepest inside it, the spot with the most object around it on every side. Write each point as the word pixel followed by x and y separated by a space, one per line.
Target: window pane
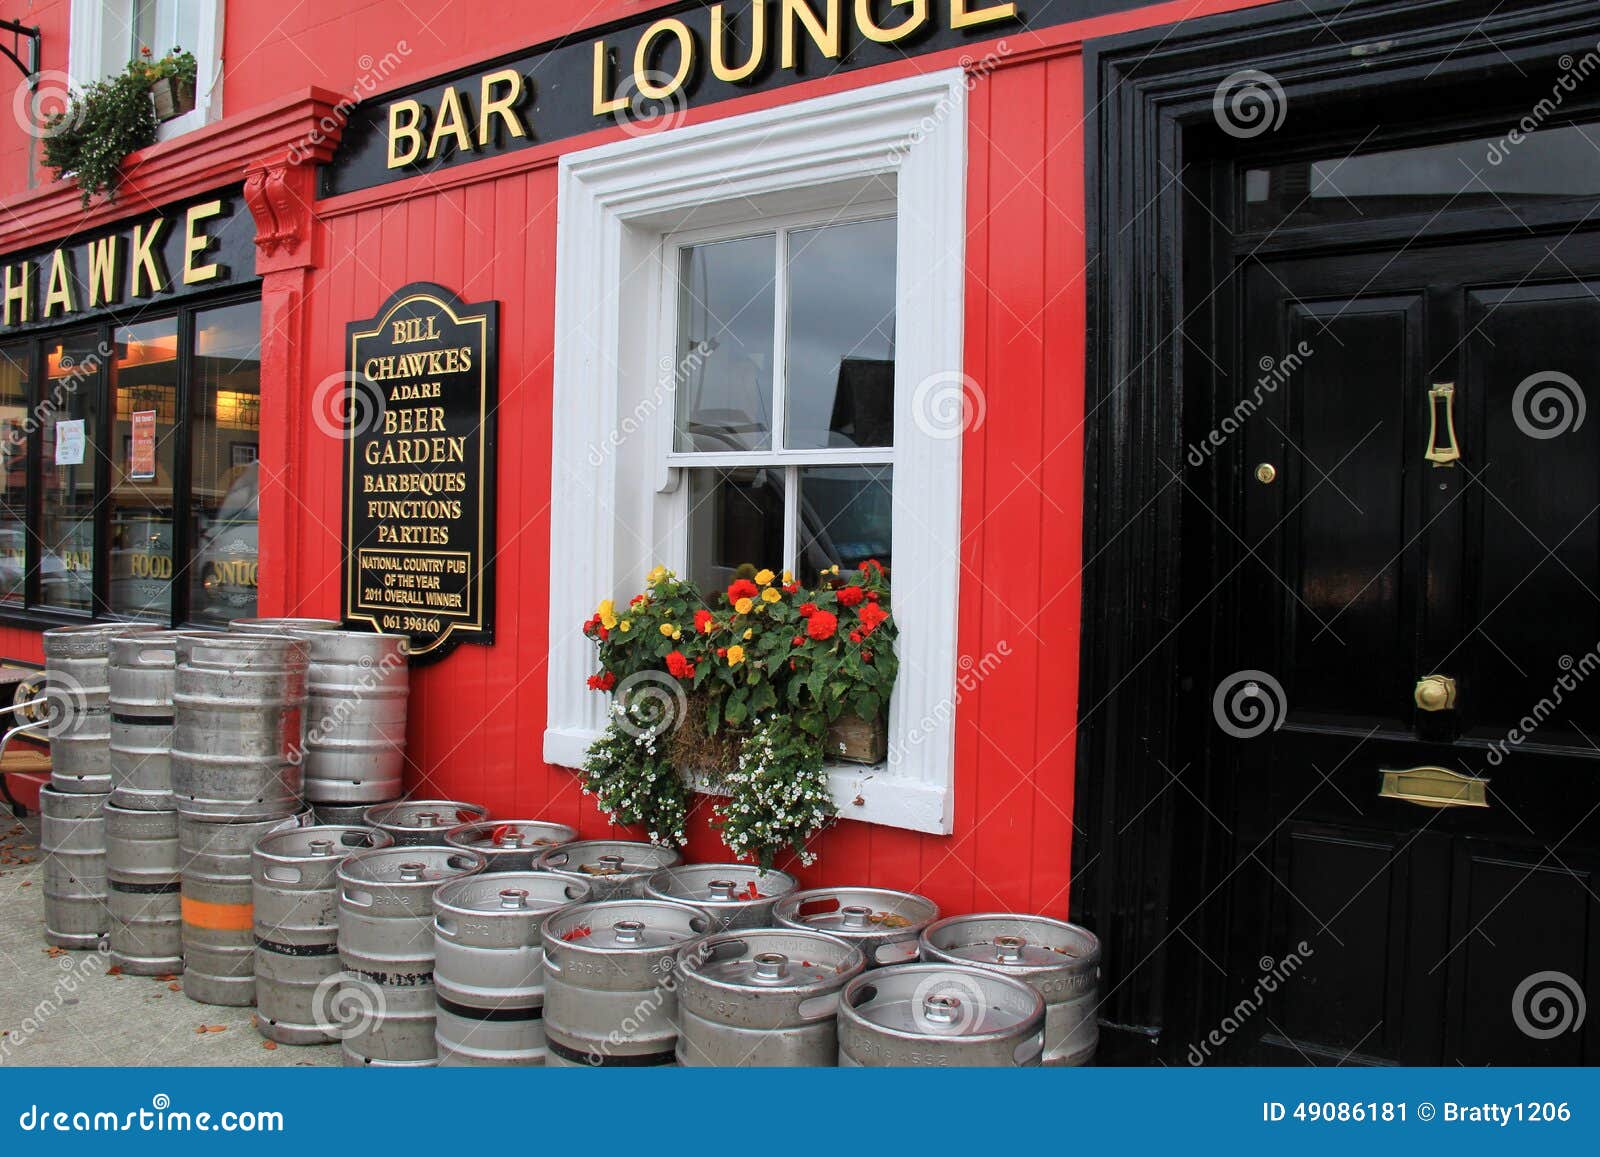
pixel 845 514
pixel 735 520
pixel 225 427
pixel 14 371
pixel 69 422
pixel 839 358
pixel 723 375
pixel 144 388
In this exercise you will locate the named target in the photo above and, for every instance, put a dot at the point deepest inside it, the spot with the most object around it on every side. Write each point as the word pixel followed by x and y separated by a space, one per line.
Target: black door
pixel 1413 733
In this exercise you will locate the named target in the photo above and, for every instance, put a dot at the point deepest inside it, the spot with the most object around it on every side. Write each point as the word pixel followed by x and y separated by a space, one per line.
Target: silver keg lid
pixel 421 865
pixel 714 885
pixel 942 1000
pixel 323 841
pixel 424 815
pixel 626 925
pixel 510 893
pixel 1011 943
pixel 786 959
pixel 89 640
pixel 857 912
pixel 613 859
pixel 491 836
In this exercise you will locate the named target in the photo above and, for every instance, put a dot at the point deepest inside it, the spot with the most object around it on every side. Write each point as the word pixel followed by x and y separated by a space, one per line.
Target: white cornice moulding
pixel 911 131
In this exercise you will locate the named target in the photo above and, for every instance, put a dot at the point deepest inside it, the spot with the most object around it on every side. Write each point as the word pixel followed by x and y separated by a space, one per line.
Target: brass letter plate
pixel 1433 787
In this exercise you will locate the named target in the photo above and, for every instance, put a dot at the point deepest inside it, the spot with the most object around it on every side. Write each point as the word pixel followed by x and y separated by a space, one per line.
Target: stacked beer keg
pixel 77 891
pixel 237 702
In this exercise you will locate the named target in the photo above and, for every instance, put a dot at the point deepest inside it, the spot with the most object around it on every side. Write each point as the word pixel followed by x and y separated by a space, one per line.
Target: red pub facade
pixel 1006 182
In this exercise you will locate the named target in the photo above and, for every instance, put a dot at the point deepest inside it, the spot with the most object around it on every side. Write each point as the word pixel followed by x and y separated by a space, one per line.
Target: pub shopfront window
pixel 131 468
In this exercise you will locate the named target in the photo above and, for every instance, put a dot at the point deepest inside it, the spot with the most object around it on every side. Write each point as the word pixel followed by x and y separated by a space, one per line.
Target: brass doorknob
pixel 1436 693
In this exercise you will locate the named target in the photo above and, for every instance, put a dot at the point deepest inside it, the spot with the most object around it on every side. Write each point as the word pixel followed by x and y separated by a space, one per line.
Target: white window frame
pixel 98 39
pixel 618 206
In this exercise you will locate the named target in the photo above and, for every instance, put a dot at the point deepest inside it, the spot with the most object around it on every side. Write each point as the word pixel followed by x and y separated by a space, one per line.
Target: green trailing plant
pixel 108 120
pixel 629 771
pixel 778 794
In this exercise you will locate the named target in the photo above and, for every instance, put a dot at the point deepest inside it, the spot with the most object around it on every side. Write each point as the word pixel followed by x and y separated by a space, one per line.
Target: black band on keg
pixel 467 1012
pixel 606 1061
pixel 143 720
pixel 167 889
pixel 296 949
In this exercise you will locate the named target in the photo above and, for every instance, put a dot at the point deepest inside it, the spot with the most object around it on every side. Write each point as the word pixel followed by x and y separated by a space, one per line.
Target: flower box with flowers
pixel 750 691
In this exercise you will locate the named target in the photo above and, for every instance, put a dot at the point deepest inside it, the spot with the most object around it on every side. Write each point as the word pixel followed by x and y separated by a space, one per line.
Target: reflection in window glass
pixel 14 371
pixel 144 391
pixel 735 521
pixel 225 432
pixel 839 352
pixel 723 375
pixel 845 518
pixel 69 428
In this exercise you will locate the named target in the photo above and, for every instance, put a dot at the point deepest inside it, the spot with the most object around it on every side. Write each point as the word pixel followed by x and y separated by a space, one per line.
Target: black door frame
pixel 1142 856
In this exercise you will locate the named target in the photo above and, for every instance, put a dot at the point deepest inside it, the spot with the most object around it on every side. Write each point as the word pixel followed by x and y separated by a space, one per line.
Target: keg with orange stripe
pixel 218 914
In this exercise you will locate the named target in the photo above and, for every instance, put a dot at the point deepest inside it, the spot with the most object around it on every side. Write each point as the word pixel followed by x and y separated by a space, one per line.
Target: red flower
pixel 742 589
pixel 636 600
pixel 808 609
pixel 603 633
pixel 603 681
pixel 872 596
pixel 791 588
pixel 855 636
pixel 821 625
pixel 722 652
pixel 851 596
pixel 702 621
pixel 866 656
pixel 871 565
pixel 680 667
pixel 872 616
pixel 799 640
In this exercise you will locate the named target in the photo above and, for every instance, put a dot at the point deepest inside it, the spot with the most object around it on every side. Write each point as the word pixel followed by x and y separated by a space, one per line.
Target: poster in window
pixel 142 447
pixel 420 470
pixel 69 442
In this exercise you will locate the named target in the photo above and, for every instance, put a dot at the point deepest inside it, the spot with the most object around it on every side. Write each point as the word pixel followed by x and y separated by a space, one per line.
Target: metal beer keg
pixel 763 997
pixel 142 875
pixel 928 1015
pixel 355 719
pixel 736 895
pixel 142 669
pixel 417 822
pixel 488 973
pixel 1060 960
pixel 614 868
pixel 72 836
pixel 884 924
pixel 510 845
pixel 610 988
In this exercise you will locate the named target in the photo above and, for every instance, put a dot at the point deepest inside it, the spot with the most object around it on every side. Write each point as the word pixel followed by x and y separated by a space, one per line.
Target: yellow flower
pixel 834 569
pixel 623 626
pixel 763 578
pixel 748 631
pixel 771 595
pixel 657 575
pixel 735 655
pixel 787 578
pixel 666 629
pixel 607 611
pixel 743 606
pixel 677 633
